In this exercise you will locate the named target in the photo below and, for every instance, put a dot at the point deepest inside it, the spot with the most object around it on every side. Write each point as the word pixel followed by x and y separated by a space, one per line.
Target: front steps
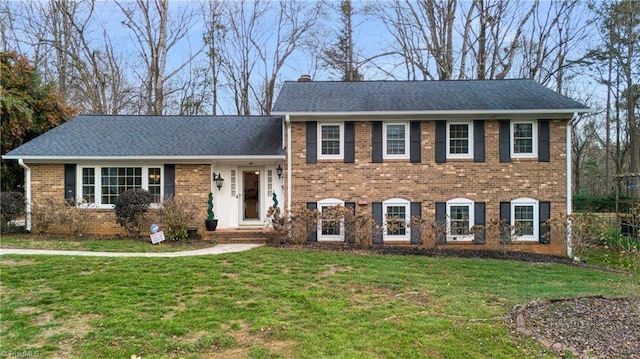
pixel 226 236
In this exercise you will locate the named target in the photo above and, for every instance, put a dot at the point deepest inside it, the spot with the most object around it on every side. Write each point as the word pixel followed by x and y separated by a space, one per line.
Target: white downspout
pixel 569 184
pixel 27 195
pixel 287 121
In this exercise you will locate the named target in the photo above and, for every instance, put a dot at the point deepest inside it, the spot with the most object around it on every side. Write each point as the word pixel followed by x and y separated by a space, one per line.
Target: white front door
pixel 250 195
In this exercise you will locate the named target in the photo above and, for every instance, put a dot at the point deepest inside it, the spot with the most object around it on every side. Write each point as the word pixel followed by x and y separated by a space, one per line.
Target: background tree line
pixel 230 57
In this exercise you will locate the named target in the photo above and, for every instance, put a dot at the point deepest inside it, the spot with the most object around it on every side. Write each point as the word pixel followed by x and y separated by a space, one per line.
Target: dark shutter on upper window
pixel 312 142
pixel 416 211
pixel 376 142
pixel 441 141
pixel 504 141
pixel 505 213
pixel 478 141
pixel 479 236
pixel 350 234
pixel 313 234
pixel 349 142
pixel 169 180
pixel 544 133
pixel 545 228
pixel 441 222
pixel 70 184
pixel 376 209
pixel 415 143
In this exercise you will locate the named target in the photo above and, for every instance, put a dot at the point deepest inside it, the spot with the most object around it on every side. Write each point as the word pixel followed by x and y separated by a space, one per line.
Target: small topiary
pixel 12 206
pixel 130 207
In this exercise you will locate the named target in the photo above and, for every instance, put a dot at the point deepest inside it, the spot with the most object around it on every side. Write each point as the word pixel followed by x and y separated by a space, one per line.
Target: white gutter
pixel 569 183
pixel 287 121
pixel 535 112
pixel 27 194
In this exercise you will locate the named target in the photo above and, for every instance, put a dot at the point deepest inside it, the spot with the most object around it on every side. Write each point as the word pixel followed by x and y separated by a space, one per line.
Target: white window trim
pixel 319 141
pixel 396 202
pixel 406 141
pixel 329 202
pixel 534 140
pixel 460 202
pixel 470 140
pixel 536 213
pixel 98 183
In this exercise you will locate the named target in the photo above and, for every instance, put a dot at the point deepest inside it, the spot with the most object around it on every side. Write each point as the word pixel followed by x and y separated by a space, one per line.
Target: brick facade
pixel 364 182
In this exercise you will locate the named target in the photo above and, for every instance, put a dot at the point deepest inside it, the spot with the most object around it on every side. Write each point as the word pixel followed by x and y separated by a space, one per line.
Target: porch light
pixel 279 171
pixel 218 178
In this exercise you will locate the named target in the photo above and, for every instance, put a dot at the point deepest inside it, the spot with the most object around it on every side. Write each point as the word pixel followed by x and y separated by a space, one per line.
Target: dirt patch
pixel 332 270
pixel 15 263
pixel 587 327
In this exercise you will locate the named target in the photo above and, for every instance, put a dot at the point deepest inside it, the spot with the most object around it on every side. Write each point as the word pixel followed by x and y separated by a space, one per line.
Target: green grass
pixel 96 244
pixel 274 303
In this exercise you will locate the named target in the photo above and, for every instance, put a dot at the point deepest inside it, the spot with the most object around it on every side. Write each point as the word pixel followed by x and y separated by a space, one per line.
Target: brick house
pixel 464 153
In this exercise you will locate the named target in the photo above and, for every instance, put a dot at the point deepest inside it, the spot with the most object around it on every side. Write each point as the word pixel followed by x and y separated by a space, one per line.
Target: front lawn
pixel 271 303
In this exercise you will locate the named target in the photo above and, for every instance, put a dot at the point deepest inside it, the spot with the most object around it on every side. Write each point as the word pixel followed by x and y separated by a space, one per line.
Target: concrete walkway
pixel 218 249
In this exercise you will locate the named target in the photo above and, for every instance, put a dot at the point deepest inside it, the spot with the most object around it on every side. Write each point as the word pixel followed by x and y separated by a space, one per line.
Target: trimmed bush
pixel 12 206
pixel 130 207
pixel 584 202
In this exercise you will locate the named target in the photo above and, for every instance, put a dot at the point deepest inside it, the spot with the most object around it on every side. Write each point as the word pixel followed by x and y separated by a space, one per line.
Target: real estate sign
pixel 157 237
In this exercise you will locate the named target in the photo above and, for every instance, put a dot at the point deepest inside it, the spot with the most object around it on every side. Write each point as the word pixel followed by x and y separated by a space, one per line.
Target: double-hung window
pixel 396 140
pixel 524 139
pixel 397 213
pixel 101 185
pixel 460 218
pixel 460 139
pixel 330 141
pixel 524 218
pixel 330 224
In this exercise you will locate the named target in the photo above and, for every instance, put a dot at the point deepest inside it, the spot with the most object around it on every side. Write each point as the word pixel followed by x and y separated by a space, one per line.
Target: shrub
pixel 585 202
pixel 303 222
pixel 50 212
pixel 174 216
pixel 130 207
pixel 278 222
pixel 12 206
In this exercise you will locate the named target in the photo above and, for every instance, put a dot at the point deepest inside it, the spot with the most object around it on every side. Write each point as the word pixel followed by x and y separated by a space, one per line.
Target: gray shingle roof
pixel 420 96
pixel 143 136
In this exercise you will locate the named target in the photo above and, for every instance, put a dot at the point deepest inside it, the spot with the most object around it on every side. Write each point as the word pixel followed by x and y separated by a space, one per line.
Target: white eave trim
pixel 143 158
pixel 438 113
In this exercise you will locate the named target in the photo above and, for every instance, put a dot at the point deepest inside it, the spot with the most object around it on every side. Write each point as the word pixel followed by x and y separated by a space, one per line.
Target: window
pixel 395 138
pixel 524 139
pixel 330 227
pixel 112 181
pixel 331 141
pixel 460 218
pixel 524 218
pixel 459 140
pixel 396 212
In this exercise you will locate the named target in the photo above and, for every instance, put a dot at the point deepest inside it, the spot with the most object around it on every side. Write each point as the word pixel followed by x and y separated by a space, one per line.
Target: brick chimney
pixel 304 78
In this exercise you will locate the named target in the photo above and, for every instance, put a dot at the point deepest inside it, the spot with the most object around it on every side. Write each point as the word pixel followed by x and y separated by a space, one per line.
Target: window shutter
pixel 544 134
pixel 545 229
pixel 479 220
pixel 376 142
pixel 505 141
pixel 441 141
pixel 349 142
pixel 349 226
pixel 478 141
pixel 169 180
pixel 313 235
pixel 441 220
pixel 312 142
pixel 505 213
pixel 416 211
pixel 415 143
pixel 70 184
pixel 376 208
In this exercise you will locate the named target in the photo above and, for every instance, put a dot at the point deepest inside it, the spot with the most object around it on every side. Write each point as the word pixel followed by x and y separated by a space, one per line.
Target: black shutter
pixel 376 142
pixel 349 142
pixel 441 223
pixel 544 133
pixel 312 142
pixel 478 141
pixel 479 237
pixel 416 211
pixel 169 180
pixel 350 234
pixel 545 229
pixel 505 141
pixel 441 141
pixel 313 234
pixel 376 208
pixel 415 143
pixel 70 184
pixel 505 213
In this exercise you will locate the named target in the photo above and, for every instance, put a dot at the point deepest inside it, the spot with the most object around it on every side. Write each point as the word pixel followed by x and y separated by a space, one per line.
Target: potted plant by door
pixel 210 222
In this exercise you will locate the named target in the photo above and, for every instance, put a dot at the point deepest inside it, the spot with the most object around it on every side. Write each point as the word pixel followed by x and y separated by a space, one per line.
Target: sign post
pixel 156 235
